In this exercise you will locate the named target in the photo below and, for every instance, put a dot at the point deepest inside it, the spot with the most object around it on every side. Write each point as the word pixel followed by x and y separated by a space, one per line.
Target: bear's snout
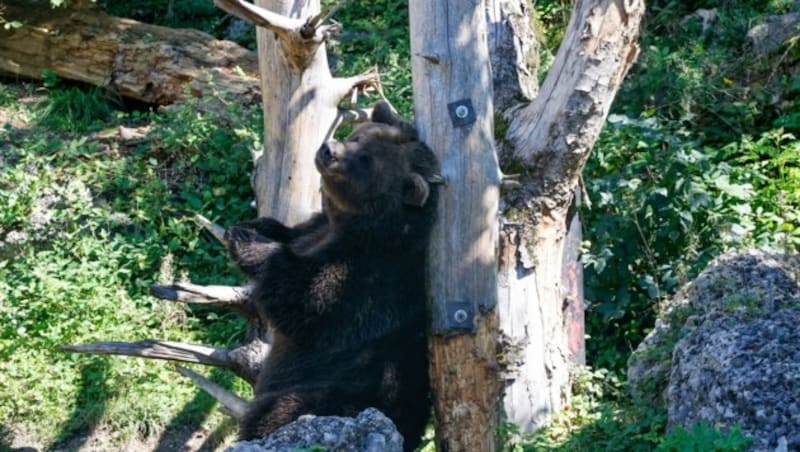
pixel 327 155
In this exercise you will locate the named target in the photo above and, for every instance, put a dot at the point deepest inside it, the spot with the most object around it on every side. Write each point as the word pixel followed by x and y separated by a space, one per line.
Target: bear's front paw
pixel 249 249
pixel 268 228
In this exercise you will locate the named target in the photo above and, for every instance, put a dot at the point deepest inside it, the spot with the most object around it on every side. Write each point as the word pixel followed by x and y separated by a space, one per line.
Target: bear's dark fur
pixel 345 291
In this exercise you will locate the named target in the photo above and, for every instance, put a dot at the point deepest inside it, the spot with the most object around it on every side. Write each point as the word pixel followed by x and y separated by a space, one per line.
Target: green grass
pixel 86 226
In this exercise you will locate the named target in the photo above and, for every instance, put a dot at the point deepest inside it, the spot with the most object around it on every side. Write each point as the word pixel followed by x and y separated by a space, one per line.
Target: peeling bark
pixel 514 52
pixel 550 140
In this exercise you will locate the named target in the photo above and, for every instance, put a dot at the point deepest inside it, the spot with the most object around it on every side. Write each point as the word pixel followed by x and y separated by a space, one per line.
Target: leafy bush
pixel 376 34
pixel 663 207
pixel 674 180
pixel 704 438
pixel 597 419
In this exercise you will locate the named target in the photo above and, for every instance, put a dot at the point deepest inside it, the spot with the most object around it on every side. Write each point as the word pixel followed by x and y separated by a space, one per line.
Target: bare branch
pixel 369 80
pixel 193 293
pixel 354 115
pixel 172 351
pixel 236 297
pixel 510 181
pixel 216 230
pixel 232 404
pixel 325 16
pixel 260 16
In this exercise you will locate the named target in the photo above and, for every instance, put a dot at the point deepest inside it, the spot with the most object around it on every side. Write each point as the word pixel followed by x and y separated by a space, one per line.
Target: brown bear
pixel 345 291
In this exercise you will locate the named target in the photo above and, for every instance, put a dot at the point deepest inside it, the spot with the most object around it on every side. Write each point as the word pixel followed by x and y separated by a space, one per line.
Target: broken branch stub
pixel 232 404
pixel 298 38
pixel 216 230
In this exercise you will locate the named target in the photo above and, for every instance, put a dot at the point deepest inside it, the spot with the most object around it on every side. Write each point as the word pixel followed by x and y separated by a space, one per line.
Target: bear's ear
pixel 383 112
pixel 415 190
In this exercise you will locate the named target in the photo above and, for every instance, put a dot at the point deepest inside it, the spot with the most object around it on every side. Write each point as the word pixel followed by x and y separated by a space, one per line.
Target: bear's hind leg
pixel 272 410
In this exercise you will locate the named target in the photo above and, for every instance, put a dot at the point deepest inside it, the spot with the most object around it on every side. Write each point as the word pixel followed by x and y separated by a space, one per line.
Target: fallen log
pixel 149 63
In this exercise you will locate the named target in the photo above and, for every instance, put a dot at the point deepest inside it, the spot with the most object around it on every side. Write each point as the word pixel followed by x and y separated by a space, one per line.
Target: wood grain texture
pixel 450 63
pixel 296 119
pixel 149 63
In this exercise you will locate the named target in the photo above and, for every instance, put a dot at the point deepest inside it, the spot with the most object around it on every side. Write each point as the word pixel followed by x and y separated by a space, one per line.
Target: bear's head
pixel 380 166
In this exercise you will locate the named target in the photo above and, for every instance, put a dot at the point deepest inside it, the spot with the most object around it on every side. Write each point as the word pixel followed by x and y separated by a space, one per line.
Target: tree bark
pixel 453 106
pixel 536 327
pixel 296 121
pixel 550 140
pixel 514 52
pixel 145 62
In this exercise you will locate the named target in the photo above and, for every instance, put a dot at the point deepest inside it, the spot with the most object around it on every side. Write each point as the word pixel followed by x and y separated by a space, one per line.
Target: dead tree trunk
pixel 153 64
pixel 300 106
pixel 549 140
pixel 453 107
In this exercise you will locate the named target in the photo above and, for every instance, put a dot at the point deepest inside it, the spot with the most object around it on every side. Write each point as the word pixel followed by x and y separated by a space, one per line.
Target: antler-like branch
pixel 172 351
pixel 245 360
pixel 311 29
pixel 260 16
pixel 232 404
pixel 352 87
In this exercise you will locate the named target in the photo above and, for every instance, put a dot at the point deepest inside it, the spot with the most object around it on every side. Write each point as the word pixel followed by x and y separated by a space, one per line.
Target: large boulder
pixel 726 350
pixel 371 431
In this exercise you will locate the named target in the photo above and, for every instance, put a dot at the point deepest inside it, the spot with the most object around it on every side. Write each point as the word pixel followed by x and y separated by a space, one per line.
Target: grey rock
pixel 370 431
pixel 726 350
pixel 774 32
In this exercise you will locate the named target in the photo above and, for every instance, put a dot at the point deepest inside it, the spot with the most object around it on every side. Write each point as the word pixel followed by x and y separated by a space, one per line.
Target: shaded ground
pixel 101 441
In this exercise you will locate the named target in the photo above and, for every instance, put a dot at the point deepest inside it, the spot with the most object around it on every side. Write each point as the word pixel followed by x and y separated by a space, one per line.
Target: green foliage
pixel 199 14
pixel 72 109
pixel 86 226
pixel 708 77
pixel 682 182
pixel 594 421
pixel 550 19
pixel 704 438
pixel 600 418
pixel 376 34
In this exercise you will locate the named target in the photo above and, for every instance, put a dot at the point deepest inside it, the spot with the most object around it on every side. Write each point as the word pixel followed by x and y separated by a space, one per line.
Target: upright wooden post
pixel 453 105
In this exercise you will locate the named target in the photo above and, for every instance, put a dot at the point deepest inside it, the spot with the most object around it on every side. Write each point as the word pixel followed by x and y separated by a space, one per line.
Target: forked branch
pixel 310 29
pixel 349 88
pixel 260 17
